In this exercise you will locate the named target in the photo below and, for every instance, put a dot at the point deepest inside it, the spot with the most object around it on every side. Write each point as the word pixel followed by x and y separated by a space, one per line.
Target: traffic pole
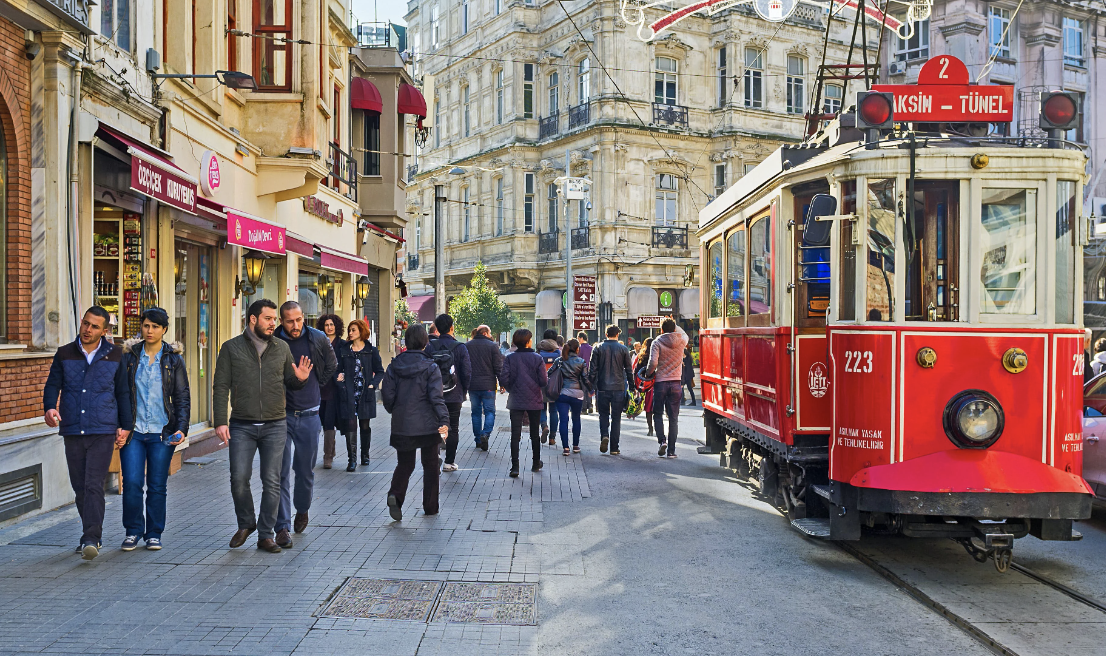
pixel 570 294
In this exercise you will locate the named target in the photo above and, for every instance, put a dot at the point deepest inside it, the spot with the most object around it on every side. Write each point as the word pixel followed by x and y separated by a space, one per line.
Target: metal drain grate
pixel 434 601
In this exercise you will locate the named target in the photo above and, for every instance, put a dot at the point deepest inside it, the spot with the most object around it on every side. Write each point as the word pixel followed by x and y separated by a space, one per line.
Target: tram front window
pixel 932 253
pixel 880 271
pixel 1009 243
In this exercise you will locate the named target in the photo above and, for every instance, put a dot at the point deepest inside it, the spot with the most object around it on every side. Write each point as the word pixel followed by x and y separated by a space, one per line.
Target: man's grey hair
pixel 484 330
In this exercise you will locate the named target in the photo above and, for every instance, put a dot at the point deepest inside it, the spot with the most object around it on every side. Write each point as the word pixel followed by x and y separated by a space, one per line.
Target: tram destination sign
pixel 944 94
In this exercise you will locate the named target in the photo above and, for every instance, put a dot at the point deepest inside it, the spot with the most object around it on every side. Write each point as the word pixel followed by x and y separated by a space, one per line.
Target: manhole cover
pixel 475 603
pixel 488 603
pixel 384 599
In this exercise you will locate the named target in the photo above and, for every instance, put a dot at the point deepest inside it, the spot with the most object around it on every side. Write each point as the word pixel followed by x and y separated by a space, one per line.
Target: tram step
pixel 822 491
pixel 815 527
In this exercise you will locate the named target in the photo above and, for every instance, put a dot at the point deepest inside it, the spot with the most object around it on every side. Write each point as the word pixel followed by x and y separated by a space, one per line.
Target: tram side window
pixel 715 256
pixel 735 275
pixel 880 271
pixel 1065 251
pixel 1009 250
pixel 847 302
pixel 760 272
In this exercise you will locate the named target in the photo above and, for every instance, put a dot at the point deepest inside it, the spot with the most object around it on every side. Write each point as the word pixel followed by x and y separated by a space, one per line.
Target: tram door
pixel 933 253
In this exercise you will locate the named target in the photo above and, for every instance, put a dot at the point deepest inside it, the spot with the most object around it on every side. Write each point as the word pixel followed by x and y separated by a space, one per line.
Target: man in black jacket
pixel 301 407
pixel 487 362
pixel 462 375
pixel 610 370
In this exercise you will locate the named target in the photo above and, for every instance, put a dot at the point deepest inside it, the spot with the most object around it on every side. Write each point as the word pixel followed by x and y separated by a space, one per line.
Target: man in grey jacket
pixel 254 370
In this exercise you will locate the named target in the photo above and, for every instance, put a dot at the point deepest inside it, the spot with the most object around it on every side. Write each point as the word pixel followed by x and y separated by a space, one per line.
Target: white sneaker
pixel 449 468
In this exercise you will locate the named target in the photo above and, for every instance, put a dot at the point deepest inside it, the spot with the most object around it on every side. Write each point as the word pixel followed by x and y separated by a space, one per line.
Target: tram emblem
pixel 817 380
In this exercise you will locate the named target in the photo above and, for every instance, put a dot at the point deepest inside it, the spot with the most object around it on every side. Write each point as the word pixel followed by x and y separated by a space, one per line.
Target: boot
pixel 366 436
pixel 328 449
pixel 351 449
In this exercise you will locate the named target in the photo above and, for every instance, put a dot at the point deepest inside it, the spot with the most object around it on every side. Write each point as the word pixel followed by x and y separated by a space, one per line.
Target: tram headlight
pixel 973 419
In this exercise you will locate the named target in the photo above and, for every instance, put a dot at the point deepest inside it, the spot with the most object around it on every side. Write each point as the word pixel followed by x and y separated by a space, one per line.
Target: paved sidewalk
pixel 625 554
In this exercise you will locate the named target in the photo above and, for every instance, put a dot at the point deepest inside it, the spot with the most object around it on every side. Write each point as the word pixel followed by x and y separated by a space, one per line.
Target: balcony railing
pixel 669 237
pixel 579 115
pixel 412 171
pixel 412 261
pixel 548 126
pixel 581 238
pixel 669 115
pixel 343 170
pixel 549 242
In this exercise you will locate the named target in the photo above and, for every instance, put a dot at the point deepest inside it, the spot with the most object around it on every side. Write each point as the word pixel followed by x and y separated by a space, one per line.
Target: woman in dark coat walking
pixel 688 374
pixel 524 377
pixel 412 394
pixel 332 326
pixel 358 377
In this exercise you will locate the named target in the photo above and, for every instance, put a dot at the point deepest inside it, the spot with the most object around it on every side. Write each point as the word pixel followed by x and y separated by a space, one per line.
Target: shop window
pixel 193 320
pixel 760 271
pixel 664 81
pixel 880 272
pixel 1065 251
pixel 117 267
pixel 666 196
pixel 272 21
pixel 735 274
pixel 715 263
pixel 372 143
pixel 528 218
pixel 318 294
pixel 115 22
pixel 1009 219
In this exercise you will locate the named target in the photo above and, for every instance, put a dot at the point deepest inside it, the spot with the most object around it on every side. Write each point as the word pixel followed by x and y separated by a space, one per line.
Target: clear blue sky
pixel 380 11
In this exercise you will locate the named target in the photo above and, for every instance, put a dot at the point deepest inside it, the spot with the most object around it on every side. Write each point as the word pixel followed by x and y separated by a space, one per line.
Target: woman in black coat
pixel 358 377
pixel 332 326
pixel 689 374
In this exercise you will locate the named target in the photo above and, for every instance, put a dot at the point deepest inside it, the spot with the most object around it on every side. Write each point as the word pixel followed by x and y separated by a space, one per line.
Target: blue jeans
pixel 666 399
pixel 483 412
pixel 549 416
pixel 303 433
pixel 565 404
pixel 145 463
pixel 268 440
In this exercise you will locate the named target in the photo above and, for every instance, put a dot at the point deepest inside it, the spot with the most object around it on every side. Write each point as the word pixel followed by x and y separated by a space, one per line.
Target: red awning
pixel 296 244
pixel 339 261
pixel 152 174
pixel 410 101
pixel 422 306
pixel 365 95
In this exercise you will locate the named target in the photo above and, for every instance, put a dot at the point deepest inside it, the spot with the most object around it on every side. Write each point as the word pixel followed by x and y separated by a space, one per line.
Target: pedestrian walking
pixel 302 406
pixel 456 369
pixel 549 350
pixel 585 353
pixel 574 388
pixel 666 364
pixel 688 377
pixel 643 382
pixel 162 405
pixel 333 327
pixel 87 398
pixel 412 394
pixel 524 376
pixel 254 371
pixel 487 363
pixel 610 371
pixel 360 371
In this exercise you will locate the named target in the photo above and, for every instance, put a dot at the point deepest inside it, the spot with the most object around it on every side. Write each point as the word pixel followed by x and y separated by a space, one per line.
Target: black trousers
pixel 454 424
pixel 405 466
pixel 516 434
pixel 88 457
pixel 611 406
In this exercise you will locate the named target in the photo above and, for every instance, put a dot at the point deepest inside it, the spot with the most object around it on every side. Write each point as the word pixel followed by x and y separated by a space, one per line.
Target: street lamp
pixel 230 79
pixel 362 291
pixel 254 261
pixel 323 287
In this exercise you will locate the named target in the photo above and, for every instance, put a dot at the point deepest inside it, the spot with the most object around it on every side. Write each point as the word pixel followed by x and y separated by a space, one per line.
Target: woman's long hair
pixel 339 325
pixel 571 346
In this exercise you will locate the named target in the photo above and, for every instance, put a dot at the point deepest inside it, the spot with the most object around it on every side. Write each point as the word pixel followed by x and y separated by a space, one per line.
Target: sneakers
pixel 484 441
pixel 153 544
pixel 672 455
pixel 567 452
pixel 663 450
pixel 90 551
pixel 603 442
pixel 537 466
pixel 615 452
pixel 576 449
pixel 449 467
pixel 130 543
pixel 393 508
pixel 80 548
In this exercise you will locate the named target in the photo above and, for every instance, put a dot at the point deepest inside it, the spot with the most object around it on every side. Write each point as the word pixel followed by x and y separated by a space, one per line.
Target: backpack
pixel 443 357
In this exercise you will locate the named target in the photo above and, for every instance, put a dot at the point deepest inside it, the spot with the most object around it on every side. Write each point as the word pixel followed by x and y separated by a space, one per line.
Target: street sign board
pixel 583 316
pixel 666 299
pixel 649 321
pixel 584 289
pixel 575 189
pixel 944 94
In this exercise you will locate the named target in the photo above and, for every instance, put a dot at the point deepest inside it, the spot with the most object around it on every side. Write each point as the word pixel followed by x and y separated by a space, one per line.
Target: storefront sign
pixel 667 300
pixel 649 321
pixel 160 184
pixel 210 177
pixel 251 232
pixel 314 206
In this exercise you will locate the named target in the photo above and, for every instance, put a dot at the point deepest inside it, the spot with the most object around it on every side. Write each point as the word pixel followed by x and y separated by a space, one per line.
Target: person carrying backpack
pixel 452 358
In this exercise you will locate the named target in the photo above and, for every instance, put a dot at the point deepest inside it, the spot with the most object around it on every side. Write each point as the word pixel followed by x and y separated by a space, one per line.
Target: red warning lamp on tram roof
pixel 1059 111
pixel 875 110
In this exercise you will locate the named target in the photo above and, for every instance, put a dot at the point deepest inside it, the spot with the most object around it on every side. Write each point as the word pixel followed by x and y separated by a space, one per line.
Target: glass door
pixel 194 322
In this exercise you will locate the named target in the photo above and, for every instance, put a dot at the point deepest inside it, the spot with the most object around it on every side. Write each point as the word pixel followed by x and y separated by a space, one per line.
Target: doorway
pixel 933 253
pixel 194 325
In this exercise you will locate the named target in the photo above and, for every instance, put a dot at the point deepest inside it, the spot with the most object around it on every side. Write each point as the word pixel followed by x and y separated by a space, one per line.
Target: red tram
pixel 892 332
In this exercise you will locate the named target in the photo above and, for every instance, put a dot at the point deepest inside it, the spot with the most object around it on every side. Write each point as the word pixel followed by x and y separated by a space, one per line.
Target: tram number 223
pixel 858 362
pixel 1078 364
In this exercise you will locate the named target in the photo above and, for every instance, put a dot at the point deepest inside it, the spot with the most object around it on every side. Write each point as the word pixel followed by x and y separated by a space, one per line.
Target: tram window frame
pixel 1027 307
pixel 761 318
pixel 1065 243
pixel 742 237
pixel 806 315
pixel 885 280
pixel 932 275
pixel 846 269
pixel 715 278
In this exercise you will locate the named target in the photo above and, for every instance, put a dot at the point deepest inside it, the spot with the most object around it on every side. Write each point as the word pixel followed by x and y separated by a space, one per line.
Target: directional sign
pixel 585 289
pixel 649 321
pixel 583 316
pixel 944 94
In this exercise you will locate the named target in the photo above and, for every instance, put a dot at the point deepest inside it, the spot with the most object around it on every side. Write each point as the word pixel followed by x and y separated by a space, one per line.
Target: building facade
pixel 522 94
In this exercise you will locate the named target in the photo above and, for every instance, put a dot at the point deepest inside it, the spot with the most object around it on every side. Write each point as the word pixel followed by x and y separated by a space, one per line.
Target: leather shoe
pixel 283 539
pixel 300 524
pixel 268 544
pixel 240 536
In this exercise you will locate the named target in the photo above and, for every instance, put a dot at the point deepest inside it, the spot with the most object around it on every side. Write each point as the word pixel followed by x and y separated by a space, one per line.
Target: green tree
pixel 479 304
pixel 404 313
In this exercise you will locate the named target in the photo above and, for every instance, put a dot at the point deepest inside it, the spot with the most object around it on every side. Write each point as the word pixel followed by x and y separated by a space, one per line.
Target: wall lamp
pixel 254 261
pixel 230 79
pixel 362 291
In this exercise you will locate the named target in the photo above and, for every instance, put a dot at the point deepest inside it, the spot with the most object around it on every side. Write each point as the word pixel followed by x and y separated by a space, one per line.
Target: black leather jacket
pixel 611 367
pixel 175 394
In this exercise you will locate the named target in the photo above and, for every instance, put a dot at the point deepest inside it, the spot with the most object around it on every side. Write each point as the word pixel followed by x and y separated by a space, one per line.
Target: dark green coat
pixel 255 385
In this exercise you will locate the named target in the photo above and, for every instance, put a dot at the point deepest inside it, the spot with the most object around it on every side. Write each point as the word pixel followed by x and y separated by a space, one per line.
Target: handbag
pixel 554 384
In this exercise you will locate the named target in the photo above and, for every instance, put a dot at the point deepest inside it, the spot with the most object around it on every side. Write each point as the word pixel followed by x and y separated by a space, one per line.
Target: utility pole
pixel 569 294
pixel 439 250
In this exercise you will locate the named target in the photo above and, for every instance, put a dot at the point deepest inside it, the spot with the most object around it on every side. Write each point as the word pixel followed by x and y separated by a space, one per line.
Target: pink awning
pixel 365 95
pixel 153 174
pixel 340 261
pixel 410 101
pixel 299 245
pixel 422 306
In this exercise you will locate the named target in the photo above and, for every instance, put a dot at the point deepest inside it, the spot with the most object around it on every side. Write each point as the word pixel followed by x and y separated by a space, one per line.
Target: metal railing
pixel 549 126
pixel 412 261
pixel 579 115
pixel 343 170
pixel 669 237
pixel 669 114
pixel 581 238
pixel 549 242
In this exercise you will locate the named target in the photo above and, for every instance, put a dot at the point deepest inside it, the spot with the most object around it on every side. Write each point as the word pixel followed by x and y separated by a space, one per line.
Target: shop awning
pixel 642 302
pixel 339 261
pixel 422 306
pixel 689 303
pixel 153 175
pixel 299 245
pixel 365 95
pixel 410 101
pixel 253 232
pixel 549 304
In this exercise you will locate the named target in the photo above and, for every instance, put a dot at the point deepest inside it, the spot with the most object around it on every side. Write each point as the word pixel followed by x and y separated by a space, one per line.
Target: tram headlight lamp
pixel 1059 111
pixel 973 419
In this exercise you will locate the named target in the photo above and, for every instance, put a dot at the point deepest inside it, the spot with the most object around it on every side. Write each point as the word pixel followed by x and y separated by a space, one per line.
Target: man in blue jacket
pixel 94 413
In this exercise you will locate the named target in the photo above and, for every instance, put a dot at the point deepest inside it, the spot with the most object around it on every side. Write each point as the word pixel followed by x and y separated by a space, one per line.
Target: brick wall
pixel 15 104
pixel 21 382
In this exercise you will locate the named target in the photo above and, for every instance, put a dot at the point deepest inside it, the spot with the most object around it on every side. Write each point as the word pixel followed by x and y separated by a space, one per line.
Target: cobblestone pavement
pixel 630 554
